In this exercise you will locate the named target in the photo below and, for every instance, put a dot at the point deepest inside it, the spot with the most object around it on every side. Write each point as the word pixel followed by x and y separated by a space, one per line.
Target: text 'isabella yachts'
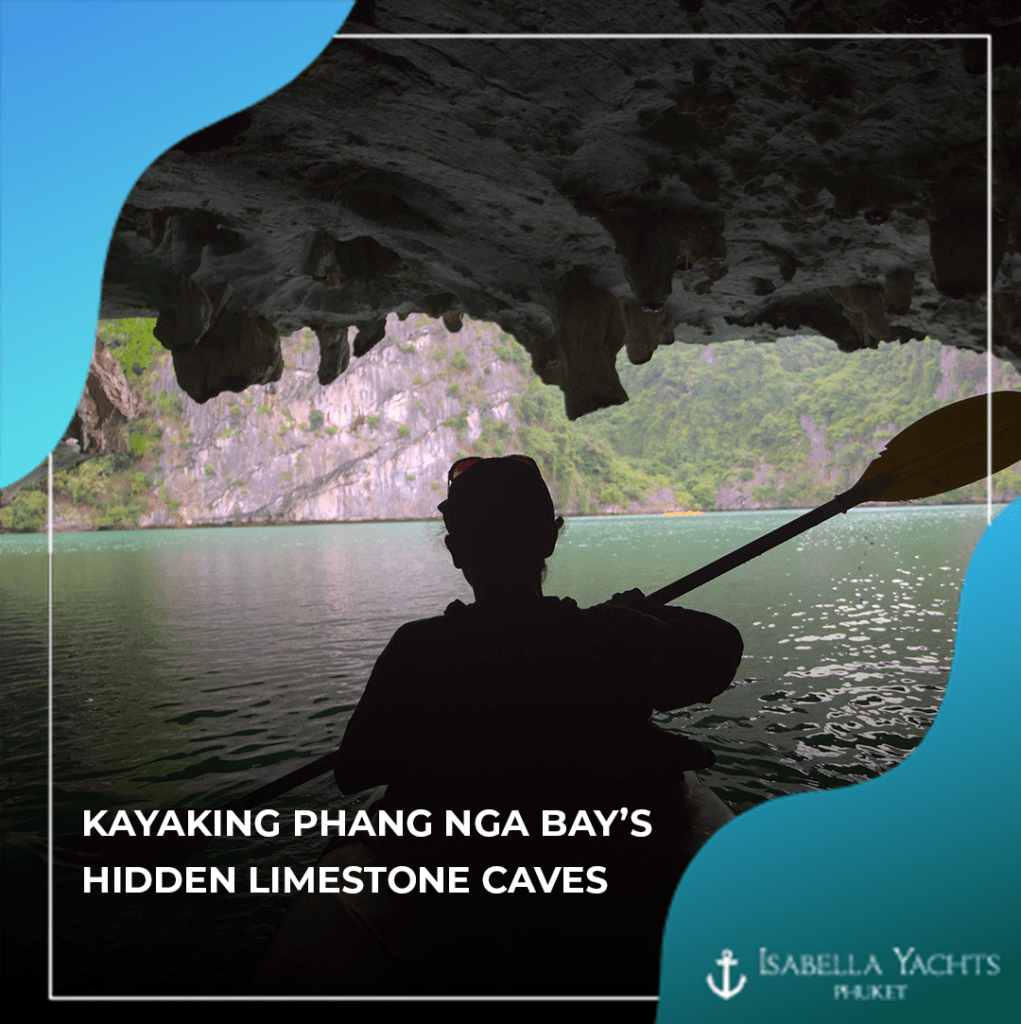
pixel 353 879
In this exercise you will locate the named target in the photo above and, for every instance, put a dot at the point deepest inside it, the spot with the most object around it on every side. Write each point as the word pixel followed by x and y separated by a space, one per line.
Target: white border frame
pixel 494 36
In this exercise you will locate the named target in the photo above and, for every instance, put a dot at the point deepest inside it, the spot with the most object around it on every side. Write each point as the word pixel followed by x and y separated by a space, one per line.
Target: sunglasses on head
pixel 462 464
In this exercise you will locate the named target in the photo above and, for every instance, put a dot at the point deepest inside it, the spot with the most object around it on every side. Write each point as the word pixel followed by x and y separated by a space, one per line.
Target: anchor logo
pixel 726 961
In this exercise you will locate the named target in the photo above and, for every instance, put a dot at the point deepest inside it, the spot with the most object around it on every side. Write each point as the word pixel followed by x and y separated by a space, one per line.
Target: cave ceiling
pixel 590 194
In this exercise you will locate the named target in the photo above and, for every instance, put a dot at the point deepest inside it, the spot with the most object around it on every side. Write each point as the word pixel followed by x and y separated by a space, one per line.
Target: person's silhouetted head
pixel 500 523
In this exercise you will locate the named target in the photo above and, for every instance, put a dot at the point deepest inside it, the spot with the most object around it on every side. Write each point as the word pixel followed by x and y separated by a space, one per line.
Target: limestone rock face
pixel 591 194
pixel 108 402
pixel 374 445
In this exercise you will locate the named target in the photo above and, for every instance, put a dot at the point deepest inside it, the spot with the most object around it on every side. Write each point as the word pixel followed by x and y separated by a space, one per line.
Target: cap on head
pixel 502 502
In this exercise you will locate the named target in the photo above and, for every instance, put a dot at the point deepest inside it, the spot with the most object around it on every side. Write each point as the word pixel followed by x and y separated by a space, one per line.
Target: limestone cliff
pixel 376 444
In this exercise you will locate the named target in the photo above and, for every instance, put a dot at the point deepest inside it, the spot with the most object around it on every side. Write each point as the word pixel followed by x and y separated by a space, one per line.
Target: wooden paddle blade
pixel 944 450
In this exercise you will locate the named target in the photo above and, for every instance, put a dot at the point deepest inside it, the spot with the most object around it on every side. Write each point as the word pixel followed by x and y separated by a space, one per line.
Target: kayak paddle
pixel 938 453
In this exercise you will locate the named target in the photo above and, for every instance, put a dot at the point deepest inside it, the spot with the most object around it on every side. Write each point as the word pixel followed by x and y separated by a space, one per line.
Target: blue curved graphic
pixel 92 94
pixel 920 864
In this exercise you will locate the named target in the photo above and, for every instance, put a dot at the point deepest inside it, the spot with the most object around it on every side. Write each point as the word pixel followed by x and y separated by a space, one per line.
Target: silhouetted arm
pixel 700 656
pixel 705 653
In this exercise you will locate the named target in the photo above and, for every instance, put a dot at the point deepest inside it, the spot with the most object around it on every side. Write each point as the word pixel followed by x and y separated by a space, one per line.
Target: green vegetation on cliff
pixel 106 492
pixel 131 343
pixel 585 472
pixel 732 424
pixel 784 425
pixel 110 491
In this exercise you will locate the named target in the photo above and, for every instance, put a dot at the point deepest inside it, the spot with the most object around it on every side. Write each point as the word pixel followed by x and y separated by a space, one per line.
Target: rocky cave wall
pixel 591 194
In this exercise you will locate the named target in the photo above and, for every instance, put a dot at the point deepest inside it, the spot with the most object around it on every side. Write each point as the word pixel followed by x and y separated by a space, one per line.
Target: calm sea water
pixel 192 666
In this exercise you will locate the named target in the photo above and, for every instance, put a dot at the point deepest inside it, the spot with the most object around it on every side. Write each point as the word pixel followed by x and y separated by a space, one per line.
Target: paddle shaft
pixel 283 785
pixel 841 503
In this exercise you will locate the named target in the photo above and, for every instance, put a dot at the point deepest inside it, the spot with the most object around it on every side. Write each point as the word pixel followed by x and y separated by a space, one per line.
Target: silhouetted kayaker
pixel 516 703
pixel 519 697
